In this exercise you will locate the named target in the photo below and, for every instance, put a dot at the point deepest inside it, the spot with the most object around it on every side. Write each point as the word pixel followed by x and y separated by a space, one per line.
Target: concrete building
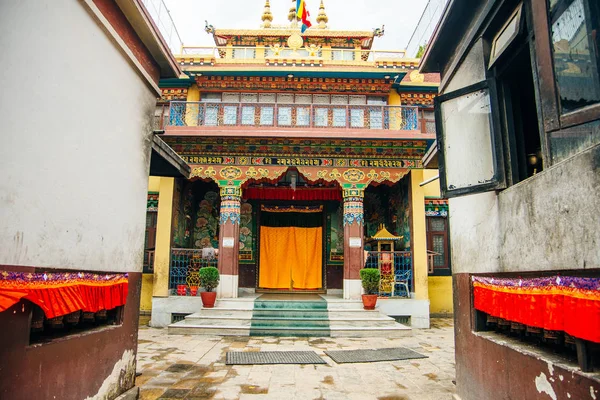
pixel 518 128
pixel 79 88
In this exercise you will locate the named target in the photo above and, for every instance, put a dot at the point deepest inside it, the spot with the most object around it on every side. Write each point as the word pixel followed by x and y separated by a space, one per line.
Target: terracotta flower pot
pixel 208 299
pixel 369 301
pixel 193 290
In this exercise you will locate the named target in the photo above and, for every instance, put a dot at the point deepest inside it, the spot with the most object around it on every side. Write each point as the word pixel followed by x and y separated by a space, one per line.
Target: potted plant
pixel 370 283
pixel 209 280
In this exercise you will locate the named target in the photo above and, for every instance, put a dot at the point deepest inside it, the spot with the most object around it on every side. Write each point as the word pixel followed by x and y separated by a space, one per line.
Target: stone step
pixel 283 305
pixel 333 331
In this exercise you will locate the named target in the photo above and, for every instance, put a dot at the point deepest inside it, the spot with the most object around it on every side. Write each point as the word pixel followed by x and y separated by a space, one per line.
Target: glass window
pixel 247 115
pixel 467 130
pixel 211 116
pixel 339 117
pixel 302 116
pixel 575 46
pixel 343 55
pixel 284 116
pixel 321 116
pixel 570 141
pixel 229 115
pixel 376 119
pixel 357 118
pixel 266 115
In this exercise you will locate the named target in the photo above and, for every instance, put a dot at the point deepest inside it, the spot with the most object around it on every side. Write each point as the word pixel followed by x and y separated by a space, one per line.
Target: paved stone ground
pixel 193 367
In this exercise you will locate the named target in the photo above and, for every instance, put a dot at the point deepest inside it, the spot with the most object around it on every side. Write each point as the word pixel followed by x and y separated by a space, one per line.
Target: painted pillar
pixel 419 235
pixel 229 241
pixel 192 109
pixel 162 252
pixel 353 239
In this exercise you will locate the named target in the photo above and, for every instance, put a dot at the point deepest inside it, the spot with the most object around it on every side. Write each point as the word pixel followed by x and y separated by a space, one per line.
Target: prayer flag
pixel 303 14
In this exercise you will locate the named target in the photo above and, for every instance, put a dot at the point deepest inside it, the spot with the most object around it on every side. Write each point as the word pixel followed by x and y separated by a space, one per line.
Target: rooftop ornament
pixel 267 17
pixel 322 18
pixel 209 28
pixel 379 32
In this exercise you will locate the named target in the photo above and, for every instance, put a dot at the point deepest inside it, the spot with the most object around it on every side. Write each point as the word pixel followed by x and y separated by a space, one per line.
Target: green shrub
pixel 370 280
pixel 209 278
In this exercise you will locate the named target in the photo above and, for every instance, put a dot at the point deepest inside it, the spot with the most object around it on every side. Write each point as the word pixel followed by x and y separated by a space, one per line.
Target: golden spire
pixel 292 15
pixel 267 17
pixel 322 17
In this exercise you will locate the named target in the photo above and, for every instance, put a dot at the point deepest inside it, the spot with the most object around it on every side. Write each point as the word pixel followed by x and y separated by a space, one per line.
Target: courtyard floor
pixel 193 367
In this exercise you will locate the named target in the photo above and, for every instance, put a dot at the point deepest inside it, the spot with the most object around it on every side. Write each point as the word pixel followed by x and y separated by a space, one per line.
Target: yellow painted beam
pixel 394 98
pixel 162 253
pixel 419 235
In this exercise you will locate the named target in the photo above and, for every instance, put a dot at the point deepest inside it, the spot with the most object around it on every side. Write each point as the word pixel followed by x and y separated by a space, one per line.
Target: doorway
pixel 291 248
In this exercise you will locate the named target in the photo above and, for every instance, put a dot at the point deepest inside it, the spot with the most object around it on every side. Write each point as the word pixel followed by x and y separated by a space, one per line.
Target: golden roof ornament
pixel 322 18
pixel 292 15
pixel 208 28
pixel 384 234
pixel 267 17
pixel 379 32
pixel 295 42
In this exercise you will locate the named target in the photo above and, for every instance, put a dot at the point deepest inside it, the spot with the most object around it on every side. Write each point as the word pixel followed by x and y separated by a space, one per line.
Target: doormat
pixel 272 357
pixel 373 355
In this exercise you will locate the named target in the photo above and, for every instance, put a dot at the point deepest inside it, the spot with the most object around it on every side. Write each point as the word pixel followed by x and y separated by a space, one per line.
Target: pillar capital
pixel 230 204
pixel 353 205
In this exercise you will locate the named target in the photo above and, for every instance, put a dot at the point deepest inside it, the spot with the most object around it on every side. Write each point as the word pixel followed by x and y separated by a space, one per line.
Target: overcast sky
pixel 399 16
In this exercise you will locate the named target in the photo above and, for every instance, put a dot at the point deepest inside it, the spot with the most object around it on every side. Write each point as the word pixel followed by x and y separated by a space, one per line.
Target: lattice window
pixel 302 116
pixel 357 118
pixel 266 98
pixel 231 97
pixel 230 115
pixel 339 117
pixel 321 99
pixel 284 116
pixel 266 115
pixel 358 99
pixel 376 119
pixel 339 99
pixel 303 98
pixel 320 116
pixel 285 98
pixel 249 98
pixel 247 115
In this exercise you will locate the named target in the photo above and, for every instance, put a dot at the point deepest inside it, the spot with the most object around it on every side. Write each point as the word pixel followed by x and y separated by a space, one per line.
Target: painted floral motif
pixel 206 226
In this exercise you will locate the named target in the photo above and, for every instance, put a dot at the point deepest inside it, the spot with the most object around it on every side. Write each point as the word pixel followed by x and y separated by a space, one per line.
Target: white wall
pixel 75 121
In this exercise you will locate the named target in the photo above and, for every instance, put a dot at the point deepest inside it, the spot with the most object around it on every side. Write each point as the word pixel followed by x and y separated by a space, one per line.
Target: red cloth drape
pixel 63 293
pixel 300 194
pixel 573 310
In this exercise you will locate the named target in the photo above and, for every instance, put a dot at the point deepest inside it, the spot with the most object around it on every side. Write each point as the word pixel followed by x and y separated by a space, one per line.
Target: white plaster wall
pixel 75 121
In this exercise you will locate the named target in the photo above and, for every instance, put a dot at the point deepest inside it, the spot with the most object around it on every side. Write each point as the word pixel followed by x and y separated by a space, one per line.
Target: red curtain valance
pixel 301 194
pixel 65 292
pixel 558 303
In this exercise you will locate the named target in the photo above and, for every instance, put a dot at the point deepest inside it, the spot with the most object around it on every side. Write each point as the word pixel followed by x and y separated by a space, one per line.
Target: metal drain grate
pixel 272 357
pixel 362 356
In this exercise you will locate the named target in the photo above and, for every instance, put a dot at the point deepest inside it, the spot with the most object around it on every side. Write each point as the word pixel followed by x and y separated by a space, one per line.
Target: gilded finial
pixel 208 28
pixel 292 15
pixel 322 18
pixel 379 32
pixel 267 17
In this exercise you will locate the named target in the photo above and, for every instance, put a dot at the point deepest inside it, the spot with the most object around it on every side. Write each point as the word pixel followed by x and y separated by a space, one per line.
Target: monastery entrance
pixel 291 244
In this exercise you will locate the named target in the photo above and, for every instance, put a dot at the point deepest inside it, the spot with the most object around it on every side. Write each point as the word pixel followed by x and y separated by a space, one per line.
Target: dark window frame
pixel 447 269
pixel 553 119
pixel 499 179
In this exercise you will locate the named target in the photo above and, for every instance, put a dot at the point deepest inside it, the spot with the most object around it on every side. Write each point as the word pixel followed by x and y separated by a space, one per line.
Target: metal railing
pixel 162 19
pixel 260 53
pixel 183 113
pixel 183 273
pixel 396 272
